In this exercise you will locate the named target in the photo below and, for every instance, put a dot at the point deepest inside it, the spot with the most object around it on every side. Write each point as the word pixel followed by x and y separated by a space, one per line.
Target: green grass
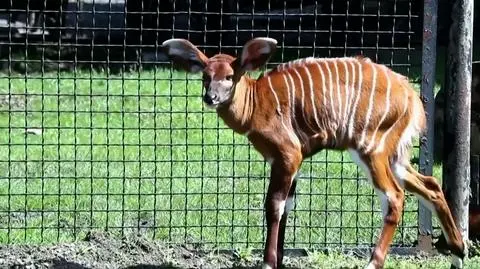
pixel 336 260
pixel 139 150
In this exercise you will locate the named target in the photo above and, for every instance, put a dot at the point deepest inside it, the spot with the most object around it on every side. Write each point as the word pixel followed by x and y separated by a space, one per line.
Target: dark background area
pixel 128 34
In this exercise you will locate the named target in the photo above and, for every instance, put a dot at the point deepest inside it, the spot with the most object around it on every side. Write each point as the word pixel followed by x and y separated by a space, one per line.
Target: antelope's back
pixel 347 102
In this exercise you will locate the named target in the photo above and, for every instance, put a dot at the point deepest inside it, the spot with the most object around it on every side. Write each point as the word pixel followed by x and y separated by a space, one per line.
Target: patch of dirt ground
pixel 102 250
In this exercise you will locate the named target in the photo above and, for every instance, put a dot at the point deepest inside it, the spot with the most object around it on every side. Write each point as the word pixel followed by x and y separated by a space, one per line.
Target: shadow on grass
pixel 63 264
pixel 149 266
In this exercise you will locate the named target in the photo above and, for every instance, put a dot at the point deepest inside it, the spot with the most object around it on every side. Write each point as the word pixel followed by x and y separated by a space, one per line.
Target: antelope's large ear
pixel 257 52
pixel 185 55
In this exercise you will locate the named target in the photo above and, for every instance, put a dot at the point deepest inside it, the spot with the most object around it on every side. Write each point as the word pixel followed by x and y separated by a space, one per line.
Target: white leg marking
pixel 312 95
pixel 281 209
pixel 385 113
pixel 370 266
pixel 384 136
pixel 356 158
pixel 290 199
pixel 266 266
pixel 383 201
pixel 289 204
pixel 384 197
pixel 457 262
pixel 400 172
pixel 370 104
pixel 290 133
pixel 359 93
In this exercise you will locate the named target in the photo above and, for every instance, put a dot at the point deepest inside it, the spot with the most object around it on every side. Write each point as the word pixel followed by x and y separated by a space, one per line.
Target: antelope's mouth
pixel 213 105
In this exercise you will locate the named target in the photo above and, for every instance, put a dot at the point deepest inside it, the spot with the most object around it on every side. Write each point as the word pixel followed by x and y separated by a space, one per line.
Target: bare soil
pixel 102 250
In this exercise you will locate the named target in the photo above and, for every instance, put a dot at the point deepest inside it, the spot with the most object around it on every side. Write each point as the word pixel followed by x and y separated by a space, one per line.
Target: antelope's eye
pixel 230 77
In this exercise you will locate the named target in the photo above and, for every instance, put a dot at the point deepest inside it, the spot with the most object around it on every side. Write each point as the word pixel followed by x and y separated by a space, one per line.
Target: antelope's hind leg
pixel 377 169
pixel 429 192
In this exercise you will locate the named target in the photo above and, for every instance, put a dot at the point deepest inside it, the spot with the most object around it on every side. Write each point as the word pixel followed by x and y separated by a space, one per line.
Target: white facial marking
pixel 221 83
pixel 270 160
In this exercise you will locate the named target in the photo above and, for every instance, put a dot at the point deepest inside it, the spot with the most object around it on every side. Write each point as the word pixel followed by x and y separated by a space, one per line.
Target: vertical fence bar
pixel 427 95
pixel 458 105
pixel 475 180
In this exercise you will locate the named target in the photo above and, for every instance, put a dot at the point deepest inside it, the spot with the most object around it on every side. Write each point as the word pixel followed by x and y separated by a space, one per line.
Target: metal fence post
pixel 458 106
pixel 427 95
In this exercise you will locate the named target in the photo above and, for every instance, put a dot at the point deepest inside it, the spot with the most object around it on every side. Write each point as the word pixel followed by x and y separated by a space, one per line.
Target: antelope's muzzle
pixel 211 98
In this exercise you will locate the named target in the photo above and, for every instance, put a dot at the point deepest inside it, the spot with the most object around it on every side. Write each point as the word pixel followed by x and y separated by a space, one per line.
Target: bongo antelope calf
pixel 301 107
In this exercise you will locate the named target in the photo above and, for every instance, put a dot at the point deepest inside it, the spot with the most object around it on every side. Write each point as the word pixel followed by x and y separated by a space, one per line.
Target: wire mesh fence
pixel 97 131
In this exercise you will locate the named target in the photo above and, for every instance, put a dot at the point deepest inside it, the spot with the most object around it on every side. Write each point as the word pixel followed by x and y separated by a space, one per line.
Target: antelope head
pixel 221 72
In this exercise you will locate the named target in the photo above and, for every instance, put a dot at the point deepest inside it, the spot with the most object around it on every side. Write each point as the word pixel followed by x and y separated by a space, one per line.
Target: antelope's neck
pixel 237 115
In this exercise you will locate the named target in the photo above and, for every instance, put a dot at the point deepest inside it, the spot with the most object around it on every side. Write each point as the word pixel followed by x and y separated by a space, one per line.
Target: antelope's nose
pixel 210 98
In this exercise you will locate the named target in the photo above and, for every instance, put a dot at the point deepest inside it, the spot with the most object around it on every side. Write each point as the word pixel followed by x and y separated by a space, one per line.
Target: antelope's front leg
pixel 283 222
pixel 282 175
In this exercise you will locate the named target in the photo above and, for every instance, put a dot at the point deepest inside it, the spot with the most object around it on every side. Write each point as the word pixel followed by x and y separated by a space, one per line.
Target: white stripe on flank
pixel 359 93
pixel 339 95
pixel 370 103
pixel 387 109
pixel 279 109
pixel 303 94
pixel 330 85
pixel 312 95
pixel 291 100
pixel 351 96
pixel 290 133
pixel 319 66
pixel 288 91
pixel 293 93
pixel 381 144
pixel 347 96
